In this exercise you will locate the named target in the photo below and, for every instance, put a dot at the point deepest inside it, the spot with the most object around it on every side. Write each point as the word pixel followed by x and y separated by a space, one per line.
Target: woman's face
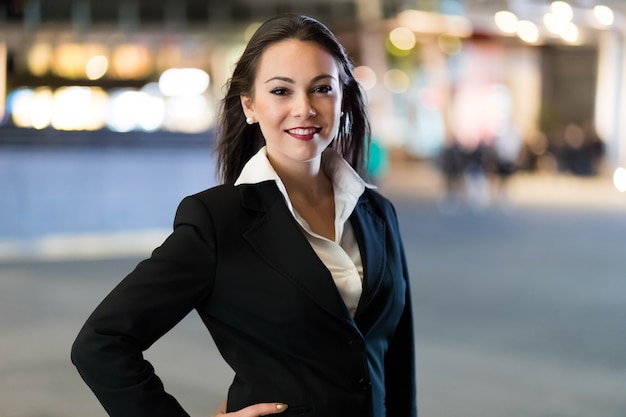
pixel 297 101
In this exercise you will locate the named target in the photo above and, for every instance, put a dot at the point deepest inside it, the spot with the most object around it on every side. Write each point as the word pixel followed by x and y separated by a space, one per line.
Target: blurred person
pixel 577 158
pixel 596 147
pixel 506 157
pixel 452 163
pixel 533 147
pixel 478 168
pixel 294 263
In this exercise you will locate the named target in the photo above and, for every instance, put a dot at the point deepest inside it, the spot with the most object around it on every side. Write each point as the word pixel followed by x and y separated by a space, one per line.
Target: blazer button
pixel 365 384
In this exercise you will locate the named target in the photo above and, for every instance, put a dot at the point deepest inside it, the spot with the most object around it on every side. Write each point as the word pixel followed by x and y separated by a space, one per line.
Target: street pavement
pixel 520 308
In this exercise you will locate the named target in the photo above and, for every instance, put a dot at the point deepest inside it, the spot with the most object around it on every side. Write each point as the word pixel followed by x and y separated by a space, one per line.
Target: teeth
pixel 303 131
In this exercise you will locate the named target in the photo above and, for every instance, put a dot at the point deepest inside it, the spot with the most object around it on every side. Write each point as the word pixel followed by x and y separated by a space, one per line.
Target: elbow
pixel 87 355
pixel 78 352
pixel 83 351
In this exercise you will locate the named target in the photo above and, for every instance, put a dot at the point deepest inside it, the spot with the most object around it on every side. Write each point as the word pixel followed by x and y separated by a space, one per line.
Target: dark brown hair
pixel 238 141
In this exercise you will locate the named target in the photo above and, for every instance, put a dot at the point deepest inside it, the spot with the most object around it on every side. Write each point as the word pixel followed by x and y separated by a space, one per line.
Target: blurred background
pixel 498 133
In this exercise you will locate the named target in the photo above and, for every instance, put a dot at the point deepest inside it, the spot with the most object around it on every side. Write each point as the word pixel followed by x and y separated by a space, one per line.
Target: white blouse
pixel 341 256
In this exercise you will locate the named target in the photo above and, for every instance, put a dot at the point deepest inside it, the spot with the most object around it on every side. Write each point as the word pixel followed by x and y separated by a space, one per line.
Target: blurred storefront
pixel 435 71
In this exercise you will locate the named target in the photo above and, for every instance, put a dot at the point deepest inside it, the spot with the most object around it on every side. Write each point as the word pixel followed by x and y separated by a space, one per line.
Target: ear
pixel 247 104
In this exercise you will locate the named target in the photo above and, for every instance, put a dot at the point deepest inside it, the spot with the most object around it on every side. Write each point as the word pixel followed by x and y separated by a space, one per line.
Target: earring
pixel 249 120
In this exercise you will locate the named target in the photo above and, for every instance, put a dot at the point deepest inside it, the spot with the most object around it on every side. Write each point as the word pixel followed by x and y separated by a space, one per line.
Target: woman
pixel 294 264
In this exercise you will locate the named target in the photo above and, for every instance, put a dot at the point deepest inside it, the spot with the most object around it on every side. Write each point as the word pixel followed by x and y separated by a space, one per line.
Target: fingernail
pixel 281 407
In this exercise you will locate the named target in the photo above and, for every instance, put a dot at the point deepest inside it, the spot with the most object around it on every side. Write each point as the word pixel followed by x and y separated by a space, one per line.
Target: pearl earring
pixel 249 120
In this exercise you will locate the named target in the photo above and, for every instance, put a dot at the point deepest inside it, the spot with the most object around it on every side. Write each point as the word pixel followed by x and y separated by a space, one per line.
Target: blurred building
pixel 435 70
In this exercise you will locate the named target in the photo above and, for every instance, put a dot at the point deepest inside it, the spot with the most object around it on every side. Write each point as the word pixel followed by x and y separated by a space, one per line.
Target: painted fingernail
pixel 281 407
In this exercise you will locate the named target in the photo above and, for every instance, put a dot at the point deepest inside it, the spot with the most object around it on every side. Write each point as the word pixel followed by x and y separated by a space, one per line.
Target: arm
pixel 401 387
pixel 160 292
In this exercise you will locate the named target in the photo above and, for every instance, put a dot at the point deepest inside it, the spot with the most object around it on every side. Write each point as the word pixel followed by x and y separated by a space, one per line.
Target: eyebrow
pixel 289 80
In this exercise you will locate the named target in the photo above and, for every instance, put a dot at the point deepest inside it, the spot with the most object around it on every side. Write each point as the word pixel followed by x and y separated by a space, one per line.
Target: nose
pixel 303 108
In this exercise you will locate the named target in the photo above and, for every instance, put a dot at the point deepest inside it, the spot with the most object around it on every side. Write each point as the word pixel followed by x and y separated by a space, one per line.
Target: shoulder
pixel 217 193
pixel 196 209
pixel 226 200
pixel 380 206
pixel 226 210
pixel 208 198
pixel 226 195
pixel 377 202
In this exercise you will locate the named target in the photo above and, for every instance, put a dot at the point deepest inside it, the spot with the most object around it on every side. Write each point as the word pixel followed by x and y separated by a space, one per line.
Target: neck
pixel 304 178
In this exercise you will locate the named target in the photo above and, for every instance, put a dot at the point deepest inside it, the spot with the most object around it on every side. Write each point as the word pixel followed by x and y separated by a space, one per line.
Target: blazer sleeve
pixel 401 386
pixel 147 303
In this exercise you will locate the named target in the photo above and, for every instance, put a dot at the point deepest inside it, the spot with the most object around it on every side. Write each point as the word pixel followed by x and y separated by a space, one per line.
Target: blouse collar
pixel 347 184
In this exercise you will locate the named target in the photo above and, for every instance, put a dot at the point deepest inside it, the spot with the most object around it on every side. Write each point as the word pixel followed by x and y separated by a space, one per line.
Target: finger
pixel 262 409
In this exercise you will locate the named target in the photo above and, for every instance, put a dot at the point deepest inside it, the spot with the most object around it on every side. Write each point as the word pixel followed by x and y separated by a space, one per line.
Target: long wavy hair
pixel 238 142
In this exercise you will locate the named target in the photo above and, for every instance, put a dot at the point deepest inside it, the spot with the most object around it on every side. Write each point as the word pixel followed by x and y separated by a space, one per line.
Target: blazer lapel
pixel 277 238
pixel 369 230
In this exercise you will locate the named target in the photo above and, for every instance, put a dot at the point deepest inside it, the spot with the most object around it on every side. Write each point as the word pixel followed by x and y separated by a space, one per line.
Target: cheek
pixel 331 108
pixel 338 107
pixel 271 112
pixel 271 119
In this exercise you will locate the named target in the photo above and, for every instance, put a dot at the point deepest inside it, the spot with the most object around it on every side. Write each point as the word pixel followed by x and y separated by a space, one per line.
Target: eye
pixel 279 91
pixel 323 89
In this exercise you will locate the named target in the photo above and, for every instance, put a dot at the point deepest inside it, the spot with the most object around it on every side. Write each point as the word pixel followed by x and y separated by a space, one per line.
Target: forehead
pixel 294 58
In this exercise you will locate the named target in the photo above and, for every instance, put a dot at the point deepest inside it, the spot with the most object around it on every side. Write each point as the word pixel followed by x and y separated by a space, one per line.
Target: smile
pixel 303 133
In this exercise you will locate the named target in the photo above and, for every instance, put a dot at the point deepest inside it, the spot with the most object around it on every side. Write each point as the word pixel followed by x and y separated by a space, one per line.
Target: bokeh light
pixel 134 110
pixel 188 114
pixel 402 38
pixel 183 82
pixel 396 81
pixel 131 62
pixel 96 67
pixel 570 32
pixel 41 110
pixel 19 103
pixel 449 45
pixel 604 15
pixel 79 108
pixel 506 21
pixel 562 10
pixel 553 23
pixel 69 61
pixel 527 31
pixel 366 77
pixel 39 59
pixel 619 179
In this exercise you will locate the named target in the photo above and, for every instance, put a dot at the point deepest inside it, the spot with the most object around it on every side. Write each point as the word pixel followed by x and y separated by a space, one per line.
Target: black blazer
pixel 238 257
